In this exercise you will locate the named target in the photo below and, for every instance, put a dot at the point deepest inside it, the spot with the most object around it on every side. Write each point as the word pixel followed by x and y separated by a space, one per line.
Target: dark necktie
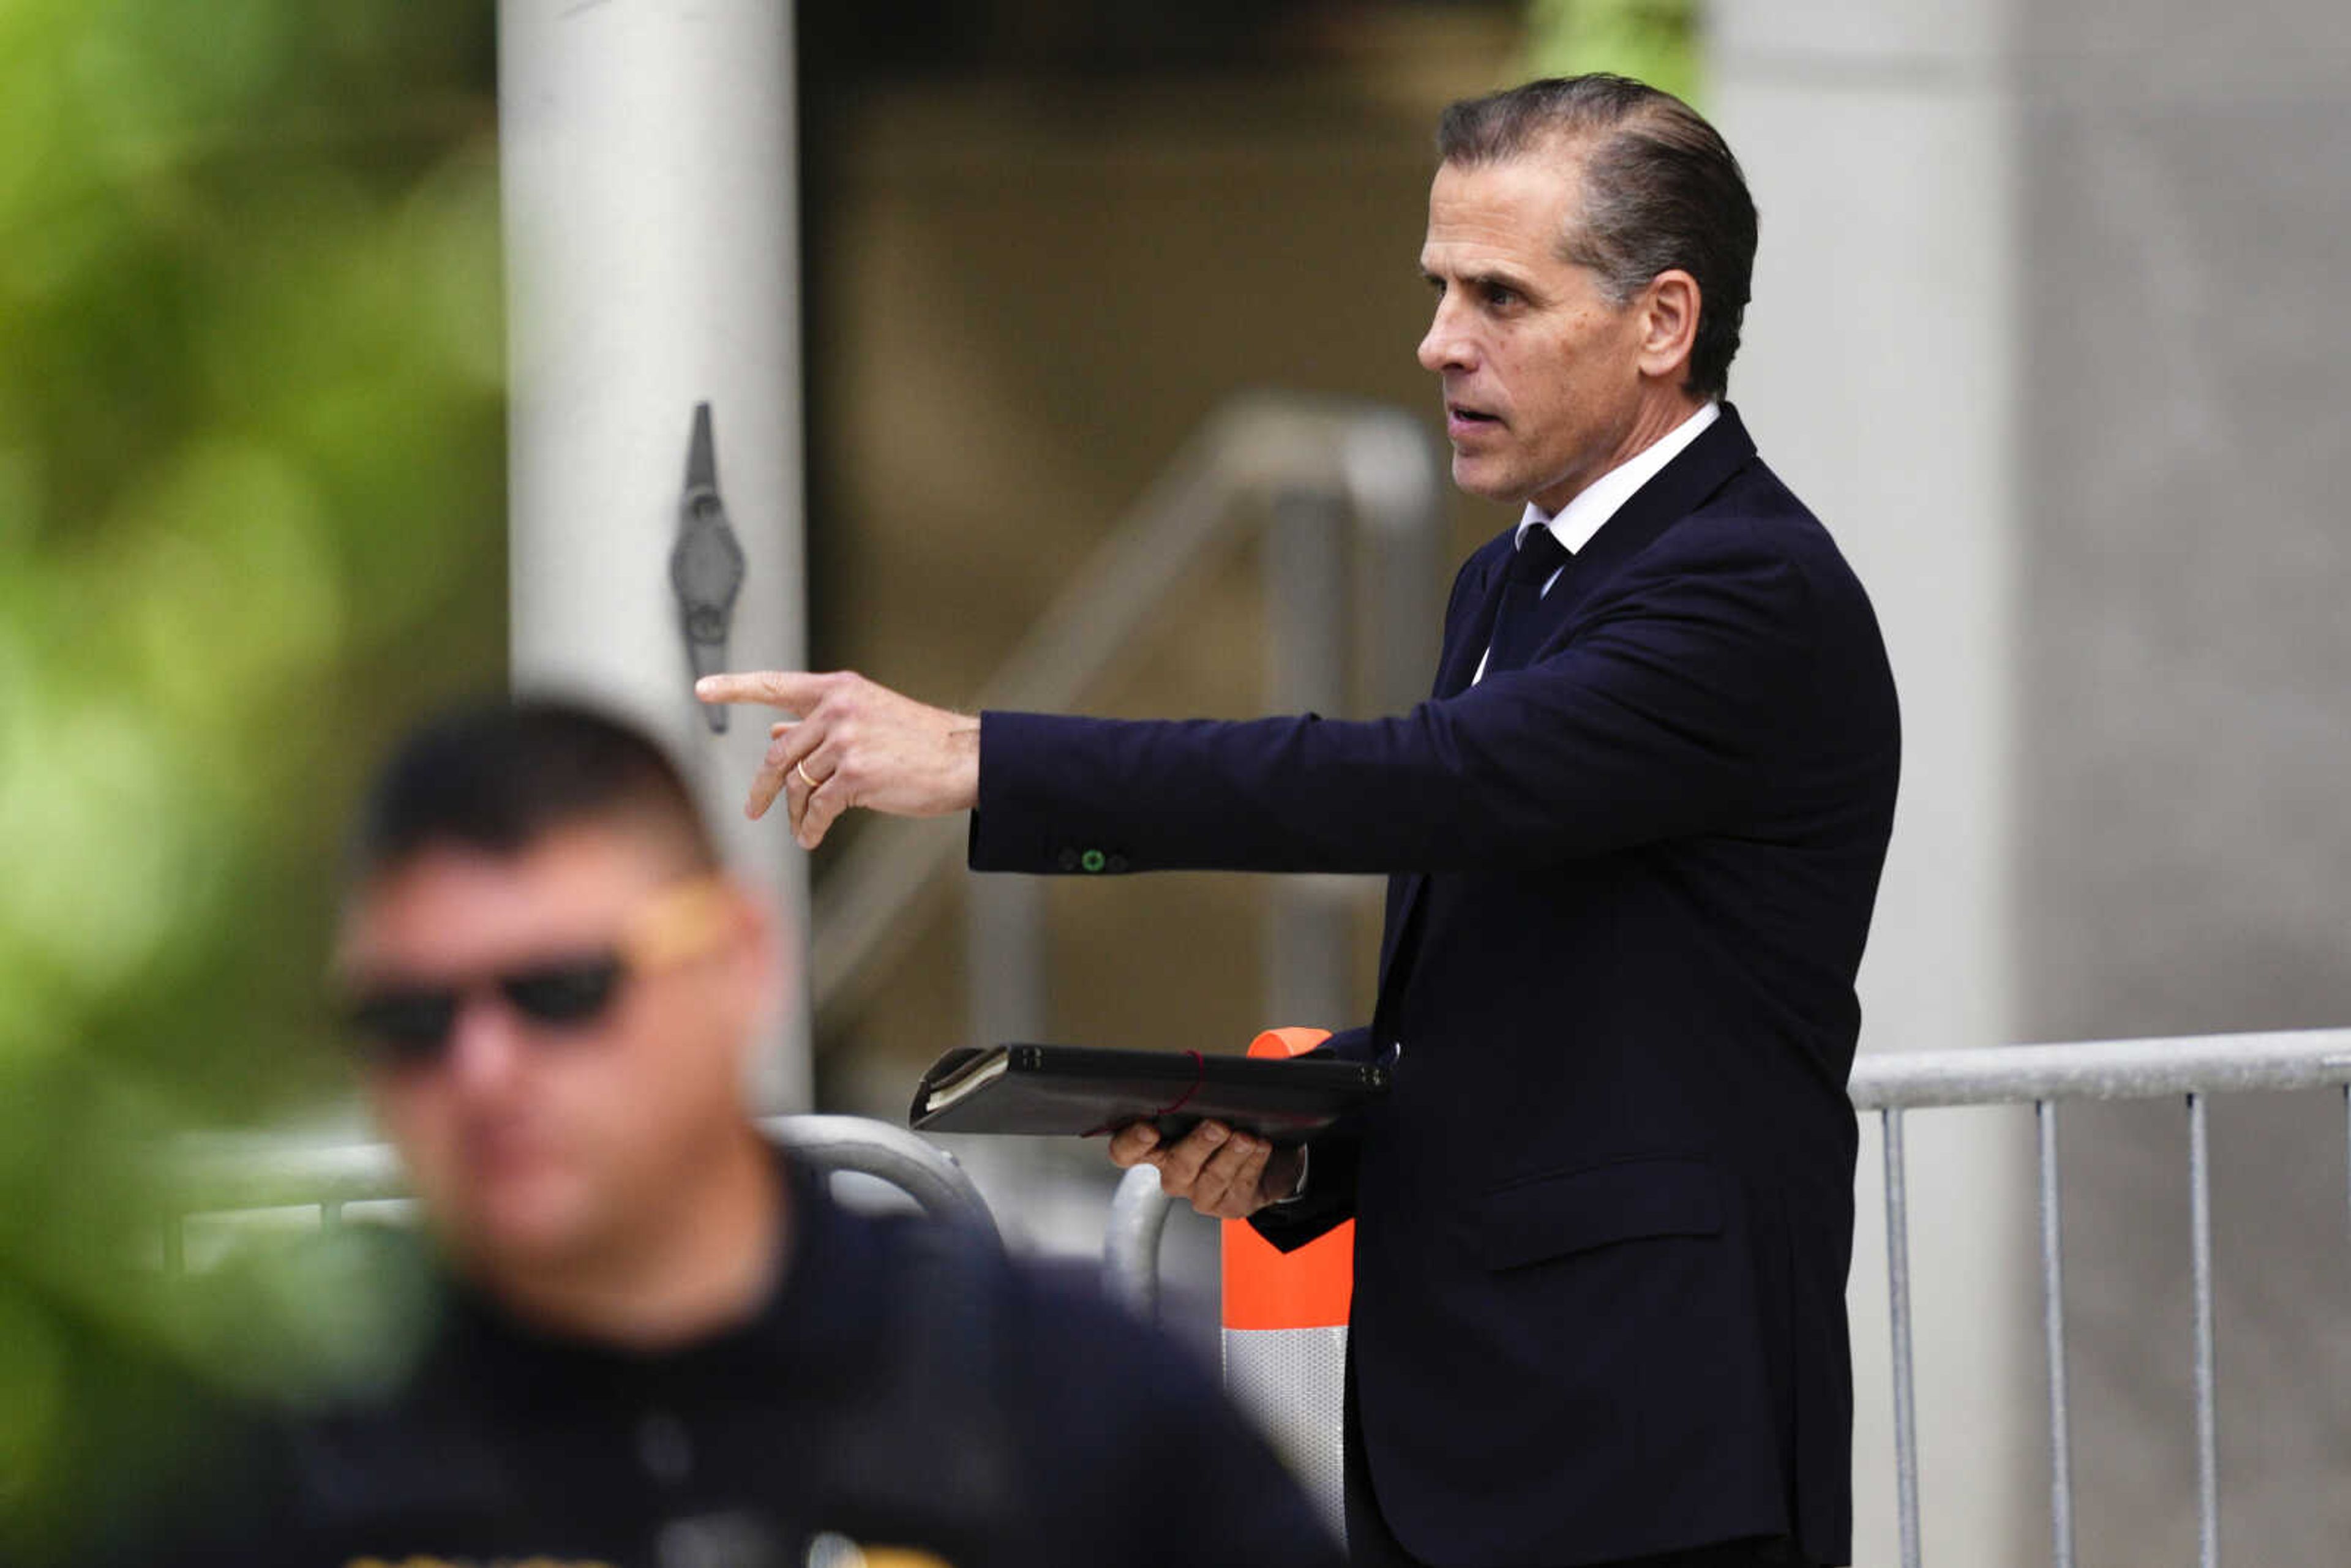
pixel 1540 554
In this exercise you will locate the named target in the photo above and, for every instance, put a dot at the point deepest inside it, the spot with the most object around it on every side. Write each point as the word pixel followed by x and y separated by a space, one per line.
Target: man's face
pixel 545 1145
pixel 1542 375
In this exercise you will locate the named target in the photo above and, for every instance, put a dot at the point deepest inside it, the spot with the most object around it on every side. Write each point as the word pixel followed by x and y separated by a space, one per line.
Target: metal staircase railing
pixel 1350 500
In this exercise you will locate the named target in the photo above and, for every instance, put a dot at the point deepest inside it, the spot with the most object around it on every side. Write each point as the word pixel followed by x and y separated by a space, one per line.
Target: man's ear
pixel 1669 311
pixel 759 984
pixel 765 955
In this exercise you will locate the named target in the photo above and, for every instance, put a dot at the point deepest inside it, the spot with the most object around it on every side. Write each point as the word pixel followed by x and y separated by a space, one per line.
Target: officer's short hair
pixel 498 777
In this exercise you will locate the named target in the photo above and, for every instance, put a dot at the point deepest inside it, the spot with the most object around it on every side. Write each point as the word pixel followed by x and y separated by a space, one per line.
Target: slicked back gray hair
pixel 1660 191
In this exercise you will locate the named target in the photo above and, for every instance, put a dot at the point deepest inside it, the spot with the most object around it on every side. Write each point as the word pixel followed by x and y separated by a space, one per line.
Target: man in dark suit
pixel 1633 840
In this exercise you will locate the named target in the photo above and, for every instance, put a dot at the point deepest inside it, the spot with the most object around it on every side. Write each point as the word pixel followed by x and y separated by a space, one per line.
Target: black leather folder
pixel 1080 1090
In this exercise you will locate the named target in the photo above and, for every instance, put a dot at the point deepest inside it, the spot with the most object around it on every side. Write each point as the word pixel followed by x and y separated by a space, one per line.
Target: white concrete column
pixel 1879 378
pixel 650 196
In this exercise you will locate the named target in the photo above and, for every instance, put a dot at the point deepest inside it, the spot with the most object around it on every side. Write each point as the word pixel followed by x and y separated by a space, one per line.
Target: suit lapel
pixel 1678 490
pixel 1459 660
pixel 1456 663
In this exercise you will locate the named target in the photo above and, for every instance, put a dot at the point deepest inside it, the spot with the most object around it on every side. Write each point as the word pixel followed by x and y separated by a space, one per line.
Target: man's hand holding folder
pixel 1222 1174
pixel 1223 1131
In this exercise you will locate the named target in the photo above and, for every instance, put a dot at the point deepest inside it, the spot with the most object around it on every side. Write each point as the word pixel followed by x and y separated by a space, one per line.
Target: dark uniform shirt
pixel 907 1393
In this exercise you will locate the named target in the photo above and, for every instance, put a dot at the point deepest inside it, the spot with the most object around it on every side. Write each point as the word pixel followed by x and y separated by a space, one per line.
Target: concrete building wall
pixel 1878 376
pixel 2184 853
pixel 2047 328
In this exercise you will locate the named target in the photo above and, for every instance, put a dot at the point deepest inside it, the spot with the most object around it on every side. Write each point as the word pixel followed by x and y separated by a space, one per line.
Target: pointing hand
pixel 853 743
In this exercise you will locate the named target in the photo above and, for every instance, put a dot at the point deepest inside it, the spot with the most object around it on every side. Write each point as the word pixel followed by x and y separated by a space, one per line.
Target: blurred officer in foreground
pixel 651 1340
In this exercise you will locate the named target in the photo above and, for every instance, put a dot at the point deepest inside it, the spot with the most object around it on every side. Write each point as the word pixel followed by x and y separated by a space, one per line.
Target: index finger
pixel 795 691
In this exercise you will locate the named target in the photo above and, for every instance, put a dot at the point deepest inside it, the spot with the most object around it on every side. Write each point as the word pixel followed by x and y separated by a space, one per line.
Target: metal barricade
pixel 283 1174
pixel 1138 1218
pixel 2193 1067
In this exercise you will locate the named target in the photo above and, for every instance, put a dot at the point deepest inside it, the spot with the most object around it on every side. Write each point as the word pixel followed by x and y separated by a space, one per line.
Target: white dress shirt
pixel 1597 502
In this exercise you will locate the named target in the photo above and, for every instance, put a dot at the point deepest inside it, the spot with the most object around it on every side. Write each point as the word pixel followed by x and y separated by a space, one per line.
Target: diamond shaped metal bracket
pixel 706 568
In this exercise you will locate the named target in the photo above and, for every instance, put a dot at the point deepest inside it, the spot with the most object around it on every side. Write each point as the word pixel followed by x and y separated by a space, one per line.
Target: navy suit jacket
pixel 1605 1215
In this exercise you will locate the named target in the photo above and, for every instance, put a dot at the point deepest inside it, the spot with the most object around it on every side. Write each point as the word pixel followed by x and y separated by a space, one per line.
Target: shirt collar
pixel 1597 502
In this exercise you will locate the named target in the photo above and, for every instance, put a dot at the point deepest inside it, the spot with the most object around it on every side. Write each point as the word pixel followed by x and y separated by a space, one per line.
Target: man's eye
pixel 1496 295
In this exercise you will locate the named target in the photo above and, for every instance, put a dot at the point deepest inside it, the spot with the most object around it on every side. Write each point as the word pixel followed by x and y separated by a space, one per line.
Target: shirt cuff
pixel 1305 1163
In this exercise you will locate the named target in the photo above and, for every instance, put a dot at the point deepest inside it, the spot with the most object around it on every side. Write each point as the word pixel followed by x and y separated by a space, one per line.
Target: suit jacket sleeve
pixel 1667 712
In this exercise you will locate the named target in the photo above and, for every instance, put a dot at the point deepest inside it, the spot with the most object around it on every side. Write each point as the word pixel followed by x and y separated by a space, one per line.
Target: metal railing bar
pixel 1897 1270
pixel 922 1170
pixel 1251 447
pixel 2208 1439
pixel 2052 1323
pixel 860 916
pixel 267 1173
pixel 2103 1069
pixel 1138 1218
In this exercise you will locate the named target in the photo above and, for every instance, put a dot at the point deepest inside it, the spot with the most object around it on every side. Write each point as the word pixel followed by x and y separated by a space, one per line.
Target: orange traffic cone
pixel 1285 1330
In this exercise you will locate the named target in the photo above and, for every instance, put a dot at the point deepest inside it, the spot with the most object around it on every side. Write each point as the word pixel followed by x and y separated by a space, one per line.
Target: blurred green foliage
pixel 1655 41
pixel 251 502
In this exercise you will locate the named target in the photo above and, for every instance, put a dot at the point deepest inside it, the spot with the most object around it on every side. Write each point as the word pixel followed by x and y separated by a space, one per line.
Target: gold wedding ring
pixel 801 769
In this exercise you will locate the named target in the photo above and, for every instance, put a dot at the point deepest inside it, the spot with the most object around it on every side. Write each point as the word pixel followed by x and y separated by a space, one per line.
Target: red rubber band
pixel 1199 1076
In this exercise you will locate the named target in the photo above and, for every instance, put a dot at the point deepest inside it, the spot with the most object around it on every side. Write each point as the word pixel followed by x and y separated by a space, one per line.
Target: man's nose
pixel 1448 345
pixel 485 1043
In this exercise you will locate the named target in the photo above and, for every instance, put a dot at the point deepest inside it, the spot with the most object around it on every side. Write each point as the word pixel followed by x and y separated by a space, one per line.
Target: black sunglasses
pixel 410 1026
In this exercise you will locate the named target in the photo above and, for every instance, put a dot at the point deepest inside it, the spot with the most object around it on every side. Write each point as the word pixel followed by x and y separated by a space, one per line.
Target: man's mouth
pixel 1461 416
